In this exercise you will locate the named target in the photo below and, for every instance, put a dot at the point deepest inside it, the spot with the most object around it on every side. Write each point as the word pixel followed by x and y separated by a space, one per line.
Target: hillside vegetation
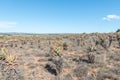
pixel 94 56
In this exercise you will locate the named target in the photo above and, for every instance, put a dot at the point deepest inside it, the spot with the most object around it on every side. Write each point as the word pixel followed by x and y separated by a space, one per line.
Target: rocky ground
pixel 62 57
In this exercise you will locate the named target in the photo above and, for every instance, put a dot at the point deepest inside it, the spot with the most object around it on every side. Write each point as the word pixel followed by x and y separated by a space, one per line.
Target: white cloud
pixel 7 24
pixel 111 17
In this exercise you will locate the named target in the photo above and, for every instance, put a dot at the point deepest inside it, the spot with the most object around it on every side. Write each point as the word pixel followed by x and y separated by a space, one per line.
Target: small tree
pixel 118 30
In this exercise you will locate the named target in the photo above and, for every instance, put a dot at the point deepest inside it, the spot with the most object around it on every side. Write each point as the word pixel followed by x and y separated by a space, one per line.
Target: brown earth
pixel 84 57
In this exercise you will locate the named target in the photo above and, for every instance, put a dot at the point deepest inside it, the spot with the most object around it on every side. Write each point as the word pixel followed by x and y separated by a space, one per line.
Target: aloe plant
pixel 58 52
pixel 10 58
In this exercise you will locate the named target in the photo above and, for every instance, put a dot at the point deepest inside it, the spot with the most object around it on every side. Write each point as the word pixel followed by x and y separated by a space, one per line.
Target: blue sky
pixel 59 16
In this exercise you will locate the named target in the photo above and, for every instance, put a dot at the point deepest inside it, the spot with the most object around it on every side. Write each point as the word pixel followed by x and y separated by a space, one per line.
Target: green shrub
pixel 2 54
pixel 118 30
